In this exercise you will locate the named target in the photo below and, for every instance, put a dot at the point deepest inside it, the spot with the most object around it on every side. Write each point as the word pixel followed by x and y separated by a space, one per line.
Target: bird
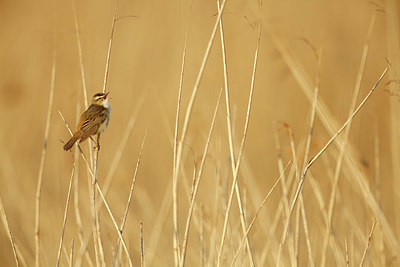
pixel 93 121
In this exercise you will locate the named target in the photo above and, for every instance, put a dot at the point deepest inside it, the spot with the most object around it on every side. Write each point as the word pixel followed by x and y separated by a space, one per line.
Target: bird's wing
pixel 91 119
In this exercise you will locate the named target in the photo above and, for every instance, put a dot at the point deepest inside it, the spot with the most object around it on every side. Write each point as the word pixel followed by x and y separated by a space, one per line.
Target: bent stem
pixel 43 156
pixel 311 162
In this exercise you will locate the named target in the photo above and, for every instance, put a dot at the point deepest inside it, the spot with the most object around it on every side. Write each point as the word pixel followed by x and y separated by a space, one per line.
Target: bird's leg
pixel 98 142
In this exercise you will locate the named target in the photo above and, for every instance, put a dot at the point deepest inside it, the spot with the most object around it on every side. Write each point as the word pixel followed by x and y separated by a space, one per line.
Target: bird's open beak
pixel 105 96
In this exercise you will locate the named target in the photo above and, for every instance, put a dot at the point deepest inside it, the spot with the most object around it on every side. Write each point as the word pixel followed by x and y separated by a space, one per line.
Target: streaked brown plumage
pixel 93 121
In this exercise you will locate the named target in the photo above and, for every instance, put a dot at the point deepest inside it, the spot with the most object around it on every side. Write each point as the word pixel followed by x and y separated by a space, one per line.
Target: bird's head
pixel 100 99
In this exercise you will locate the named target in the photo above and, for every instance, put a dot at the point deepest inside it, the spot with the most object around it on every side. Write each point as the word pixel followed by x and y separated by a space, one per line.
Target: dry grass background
pixel 145 66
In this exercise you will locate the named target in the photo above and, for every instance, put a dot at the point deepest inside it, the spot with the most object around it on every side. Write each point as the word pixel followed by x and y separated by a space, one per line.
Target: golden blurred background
pixel 144 75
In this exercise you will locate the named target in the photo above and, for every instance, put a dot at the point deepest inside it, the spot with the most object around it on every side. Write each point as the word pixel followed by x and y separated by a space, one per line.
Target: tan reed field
pixel 242 133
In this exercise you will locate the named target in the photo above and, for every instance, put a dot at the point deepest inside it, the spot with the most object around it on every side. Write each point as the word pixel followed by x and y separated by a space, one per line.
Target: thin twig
pixel 43 156
pixel 71 254
pixel 95 211
pixel 8 230
pixel 80 54
pixel 129 197
pixel 141 245
pixel 109 47
pixel 381 246
pixel 367 245
pixel 347 252
pixel 65 216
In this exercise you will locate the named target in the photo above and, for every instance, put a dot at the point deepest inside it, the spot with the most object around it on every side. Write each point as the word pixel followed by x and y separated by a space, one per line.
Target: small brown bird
pixel 93 121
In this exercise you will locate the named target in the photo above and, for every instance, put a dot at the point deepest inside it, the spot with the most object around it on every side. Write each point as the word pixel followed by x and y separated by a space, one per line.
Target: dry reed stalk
pixel 318 195
pixel 297 177
pixel 101 194
pixel 65 216
pixel 347 252
pixel 285 193
pixel 95 210
pixel 212 233
pixel 114 222
pixel 357 232
pixel 8 230
pixel 301 207
pixel 201 237
pixel 183 137
pixel 377 165
pixel 345 139
pixel 251 180
pixel 392 16
pixel 178 104
pixel 76 201
pixel 130 196
pixel 356 177
pixel 285 196
pixel 66 255
pixel 80 54
pixel 43 156
pixel 175 145
pixel 94 181
pixel 235 164
pixel 367 245
pixel 313 110
pixel 141 245
pixel 257 213
pixel 337 251
pixel 284 185
pixel 85 98
pixel 82 68
pixel 313 159
pixel 271 236
pixel 110 42
pixel 197 183
pixel 71 254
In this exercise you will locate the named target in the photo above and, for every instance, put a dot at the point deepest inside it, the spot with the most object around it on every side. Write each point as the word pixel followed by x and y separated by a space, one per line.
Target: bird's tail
pixel 71 141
